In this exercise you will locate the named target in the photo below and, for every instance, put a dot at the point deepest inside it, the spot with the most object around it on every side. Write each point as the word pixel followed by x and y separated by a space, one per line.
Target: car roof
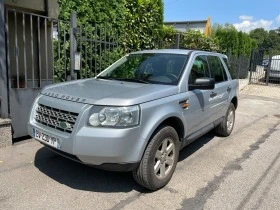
pixel 167 51
pixel 176 51
pixel 276 57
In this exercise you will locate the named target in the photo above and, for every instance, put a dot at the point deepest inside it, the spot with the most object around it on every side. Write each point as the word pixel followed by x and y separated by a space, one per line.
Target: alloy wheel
pixel 230 119
pixel 164 158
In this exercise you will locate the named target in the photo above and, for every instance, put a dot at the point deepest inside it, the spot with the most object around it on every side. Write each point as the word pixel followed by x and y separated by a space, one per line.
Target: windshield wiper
pixel 132 80
pixel 124 79
pixel 104 77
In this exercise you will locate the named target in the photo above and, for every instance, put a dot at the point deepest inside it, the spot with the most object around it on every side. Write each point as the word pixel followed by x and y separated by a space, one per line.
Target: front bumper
pixel 105 166
pixel 108 148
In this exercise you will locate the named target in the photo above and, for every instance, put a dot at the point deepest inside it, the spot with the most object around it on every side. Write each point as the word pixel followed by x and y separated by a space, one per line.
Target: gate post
pixel 73 44
pixel 268 67
pixel 177 45
pixel 4 112
pixel 250 66
pixel 239 66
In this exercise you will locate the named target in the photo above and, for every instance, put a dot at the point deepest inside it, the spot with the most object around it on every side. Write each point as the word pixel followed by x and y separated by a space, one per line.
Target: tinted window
pixel 199 69
pixel 217 69
pixel 158 68
pixel 230 69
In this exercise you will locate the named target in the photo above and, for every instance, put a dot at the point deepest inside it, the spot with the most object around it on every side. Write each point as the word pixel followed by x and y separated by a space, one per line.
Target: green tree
pixel 227 37
pixel 134 24
pixel 230 40
pixel 266 39
pixel 168 37
pixel 139 22
pixel 91 12
pixel 245 43
pixel 143 23
pixel 273 41
pixel 190 39
pixel 261 37
pixel 92 16
pixel 196 40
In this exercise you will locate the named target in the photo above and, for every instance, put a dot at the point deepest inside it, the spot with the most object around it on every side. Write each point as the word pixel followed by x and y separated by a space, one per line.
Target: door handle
pixel 228 89
pixel 212 95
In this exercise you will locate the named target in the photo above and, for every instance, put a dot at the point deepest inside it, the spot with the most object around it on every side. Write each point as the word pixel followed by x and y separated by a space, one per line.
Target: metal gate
pixel 265 67
pixel 42 51
pixel 33 56
pixel 93 48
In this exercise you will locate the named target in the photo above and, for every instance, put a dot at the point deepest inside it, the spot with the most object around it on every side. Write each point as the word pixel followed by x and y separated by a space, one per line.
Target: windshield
pixel 156 68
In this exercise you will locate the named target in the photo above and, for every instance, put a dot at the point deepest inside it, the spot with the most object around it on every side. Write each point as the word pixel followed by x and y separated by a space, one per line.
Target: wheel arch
pixel 234 100
pixel 177 124
pixel 172 121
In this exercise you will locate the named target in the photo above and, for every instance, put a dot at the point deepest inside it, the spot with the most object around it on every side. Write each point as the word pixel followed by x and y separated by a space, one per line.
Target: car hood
pixel 108 92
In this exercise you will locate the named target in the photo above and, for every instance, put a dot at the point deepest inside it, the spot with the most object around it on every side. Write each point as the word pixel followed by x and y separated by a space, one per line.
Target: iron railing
pixel 99 47
pixel 265 67
pixel 35 47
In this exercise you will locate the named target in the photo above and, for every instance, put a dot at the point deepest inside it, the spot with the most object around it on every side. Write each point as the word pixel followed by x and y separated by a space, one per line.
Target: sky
pixel 245 15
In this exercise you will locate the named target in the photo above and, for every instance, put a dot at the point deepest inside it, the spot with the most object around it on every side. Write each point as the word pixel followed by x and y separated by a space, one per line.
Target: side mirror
pixel 203 84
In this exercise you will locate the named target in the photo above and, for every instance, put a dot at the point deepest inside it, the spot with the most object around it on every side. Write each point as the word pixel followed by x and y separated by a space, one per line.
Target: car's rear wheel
pixel 226 126
pixel 159 160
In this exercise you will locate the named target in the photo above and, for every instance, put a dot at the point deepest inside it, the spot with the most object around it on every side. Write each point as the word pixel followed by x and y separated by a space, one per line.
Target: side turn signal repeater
pixel 184 104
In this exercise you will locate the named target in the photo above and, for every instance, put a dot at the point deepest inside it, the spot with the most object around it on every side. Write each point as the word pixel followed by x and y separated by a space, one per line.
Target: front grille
pixel 55 118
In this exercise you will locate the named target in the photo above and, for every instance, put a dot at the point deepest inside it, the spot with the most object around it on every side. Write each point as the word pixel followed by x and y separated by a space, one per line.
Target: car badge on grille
pixel 64 125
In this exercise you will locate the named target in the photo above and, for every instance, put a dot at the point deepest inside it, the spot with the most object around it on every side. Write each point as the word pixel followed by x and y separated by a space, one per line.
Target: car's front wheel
pixel 159 160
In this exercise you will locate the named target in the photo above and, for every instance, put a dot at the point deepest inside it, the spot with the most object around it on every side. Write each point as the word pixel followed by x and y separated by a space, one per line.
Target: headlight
pixel 114 116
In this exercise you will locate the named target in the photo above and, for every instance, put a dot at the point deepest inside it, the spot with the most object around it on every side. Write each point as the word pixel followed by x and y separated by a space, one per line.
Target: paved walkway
pixel 271 91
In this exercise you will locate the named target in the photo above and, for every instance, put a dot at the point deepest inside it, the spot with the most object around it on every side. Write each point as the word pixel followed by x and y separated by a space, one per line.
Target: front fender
pixel 155 112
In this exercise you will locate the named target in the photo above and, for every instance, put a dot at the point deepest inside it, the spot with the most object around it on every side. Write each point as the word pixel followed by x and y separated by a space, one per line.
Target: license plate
pixel 46 138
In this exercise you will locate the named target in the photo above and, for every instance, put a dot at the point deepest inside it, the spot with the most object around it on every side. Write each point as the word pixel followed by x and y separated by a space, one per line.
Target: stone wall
pixel 5 132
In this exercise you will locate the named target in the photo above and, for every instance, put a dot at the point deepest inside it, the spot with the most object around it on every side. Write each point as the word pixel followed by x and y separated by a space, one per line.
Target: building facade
pixel 204 26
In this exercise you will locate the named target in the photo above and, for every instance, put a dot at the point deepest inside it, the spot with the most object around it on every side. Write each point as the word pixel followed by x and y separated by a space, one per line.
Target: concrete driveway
pixel 238 172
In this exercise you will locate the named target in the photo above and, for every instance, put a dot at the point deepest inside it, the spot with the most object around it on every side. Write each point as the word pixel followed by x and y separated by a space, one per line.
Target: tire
pixel 158 155
pixel 226 126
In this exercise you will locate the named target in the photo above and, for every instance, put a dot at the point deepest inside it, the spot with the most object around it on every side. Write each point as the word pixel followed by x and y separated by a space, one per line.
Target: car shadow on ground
pixel 196 145
pixel 82 177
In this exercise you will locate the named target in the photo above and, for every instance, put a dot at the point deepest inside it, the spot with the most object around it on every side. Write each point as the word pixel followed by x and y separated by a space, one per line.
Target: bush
pixel 143 24
pixel 189 40
pixel 196 40
pixel 230 40
pixel 91 12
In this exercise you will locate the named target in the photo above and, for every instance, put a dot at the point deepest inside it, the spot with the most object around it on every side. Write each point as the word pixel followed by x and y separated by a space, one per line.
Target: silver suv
pixel 138 113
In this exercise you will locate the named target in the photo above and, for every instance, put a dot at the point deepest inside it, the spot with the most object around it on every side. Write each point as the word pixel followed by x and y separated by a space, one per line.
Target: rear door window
pixel 217 69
